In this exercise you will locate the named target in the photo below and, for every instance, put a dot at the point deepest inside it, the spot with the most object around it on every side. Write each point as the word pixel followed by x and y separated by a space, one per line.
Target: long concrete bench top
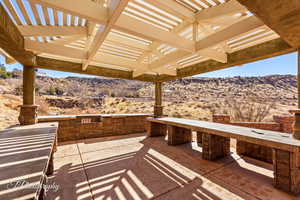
pixel 50 118
pixel 272 139
pixel 25 153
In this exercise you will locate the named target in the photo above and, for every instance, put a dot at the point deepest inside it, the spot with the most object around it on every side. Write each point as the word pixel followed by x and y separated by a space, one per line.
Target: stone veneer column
pixel 286 170
pixel 158 109
pixel 220 118
pixel 296 127
pixel 28 111
pixel 285 121
pixel 296 131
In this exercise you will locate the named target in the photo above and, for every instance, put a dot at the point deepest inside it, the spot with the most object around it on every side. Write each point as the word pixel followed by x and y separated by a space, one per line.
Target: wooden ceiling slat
pixel 55 17
pixel 12 12
pixel 35 13
pixel 150 21
pixel 46 15
pixel 24 12
pixel 164 18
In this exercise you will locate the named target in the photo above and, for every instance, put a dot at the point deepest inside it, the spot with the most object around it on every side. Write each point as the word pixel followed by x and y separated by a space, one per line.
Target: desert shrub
pixel 18 90
pixel 43 106
pixel 59 91
pixel 51 90
pixel 112 94
pixel 250 110
pixel 4 74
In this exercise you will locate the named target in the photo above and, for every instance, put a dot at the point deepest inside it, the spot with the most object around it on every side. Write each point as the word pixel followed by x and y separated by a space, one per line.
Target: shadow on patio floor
pixel 147 168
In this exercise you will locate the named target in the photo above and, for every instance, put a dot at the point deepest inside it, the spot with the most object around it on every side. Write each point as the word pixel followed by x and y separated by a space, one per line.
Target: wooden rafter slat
pixel 82 8
pixel 145 16
pixel 68 39
pixel 64 19
pixel 230 8
pixel 46 15
pixel 249 36
pixel 167 8
pixel 258 38
pixel 55 17
pixel 156 15
pixel 24 12
pixel 209 4
pixel 72 20
pixel 81 21
pixel 152 22
pixel 35 13
pixel 126 51
pixel 12 11
pixel 200 5
pixel 122 45
pixel 116 51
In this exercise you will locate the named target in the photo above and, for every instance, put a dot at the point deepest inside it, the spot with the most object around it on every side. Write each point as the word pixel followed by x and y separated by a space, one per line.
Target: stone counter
pixel 75 127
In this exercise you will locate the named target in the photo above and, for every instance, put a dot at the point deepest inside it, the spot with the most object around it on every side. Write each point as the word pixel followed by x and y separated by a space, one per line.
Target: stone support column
pixel 28 111
pixel 158 109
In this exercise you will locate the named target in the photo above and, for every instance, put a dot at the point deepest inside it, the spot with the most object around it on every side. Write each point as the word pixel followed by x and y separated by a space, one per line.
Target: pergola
pixel 147 40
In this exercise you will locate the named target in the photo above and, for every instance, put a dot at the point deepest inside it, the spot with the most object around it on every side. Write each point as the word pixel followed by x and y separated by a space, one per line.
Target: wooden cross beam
pixel 117 7
pixel 202 45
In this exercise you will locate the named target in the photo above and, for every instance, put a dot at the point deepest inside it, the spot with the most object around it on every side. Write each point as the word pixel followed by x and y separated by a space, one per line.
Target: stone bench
pixel 26 159
pixel 215 144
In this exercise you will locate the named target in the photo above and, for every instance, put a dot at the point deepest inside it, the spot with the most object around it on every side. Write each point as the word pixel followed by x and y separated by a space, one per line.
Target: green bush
pixel 3 73
pixel 51 90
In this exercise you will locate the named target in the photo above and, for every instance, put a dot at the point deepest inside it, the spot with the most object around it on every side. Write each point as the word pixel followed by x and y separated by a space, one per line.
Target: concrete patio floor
pixel 138 167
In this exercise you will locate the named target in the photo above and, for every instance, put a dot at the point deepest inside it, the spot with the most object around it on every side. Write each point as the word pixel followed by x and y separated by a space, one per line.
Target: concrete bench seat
pixel 216 144
pixel 26 160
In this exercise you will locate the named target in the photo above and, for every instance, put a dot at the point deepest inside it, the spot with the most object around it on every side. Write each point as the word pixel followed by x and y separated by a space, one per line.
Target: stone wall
pixel 282 123
pixel 76 127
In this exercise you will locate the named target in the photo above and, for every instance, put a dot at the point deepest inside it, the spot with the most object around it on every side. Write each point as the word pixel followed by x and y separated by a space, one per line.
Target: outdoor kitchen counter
pixel 77 127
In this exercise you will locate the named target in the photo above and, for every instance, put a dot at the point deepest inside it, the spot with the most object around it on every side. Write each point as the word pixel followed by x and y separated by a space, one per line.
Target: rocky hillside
pixel 196 98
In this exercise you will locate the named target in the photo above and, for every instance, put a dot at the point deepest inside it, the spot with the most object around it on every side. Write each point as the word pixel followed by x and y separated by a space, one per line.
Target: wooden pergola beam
pixel 12 42
pixel 262 51
pixel 66 66
pixel 282 16
pixel 30 30
pixel 117 7
pixel 232 31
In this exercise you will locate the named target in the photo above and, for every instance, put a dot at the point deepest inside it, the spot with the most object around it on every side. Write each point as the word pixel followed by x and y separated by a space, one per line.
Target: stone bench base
pixel 156 129
pixel 286 170
pixel 214 147
pixel 178 135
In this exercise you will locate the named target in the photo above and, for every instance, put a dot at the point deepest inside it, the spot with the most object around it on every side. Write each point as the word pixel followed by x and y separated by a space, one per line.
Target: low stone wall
pixel 75 127
pixel 282 123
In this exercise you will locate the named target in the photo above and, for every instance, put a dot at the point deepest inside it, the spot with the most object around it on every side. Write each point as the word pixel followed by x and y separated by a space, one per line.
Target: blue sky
pixel 286 64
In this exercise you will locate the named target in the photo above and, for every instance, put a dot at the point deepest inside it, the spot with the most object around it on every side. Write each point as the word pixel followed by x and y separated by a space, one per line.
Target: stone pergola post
pixel 158 109
pixel 28 111
pixel 296 132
